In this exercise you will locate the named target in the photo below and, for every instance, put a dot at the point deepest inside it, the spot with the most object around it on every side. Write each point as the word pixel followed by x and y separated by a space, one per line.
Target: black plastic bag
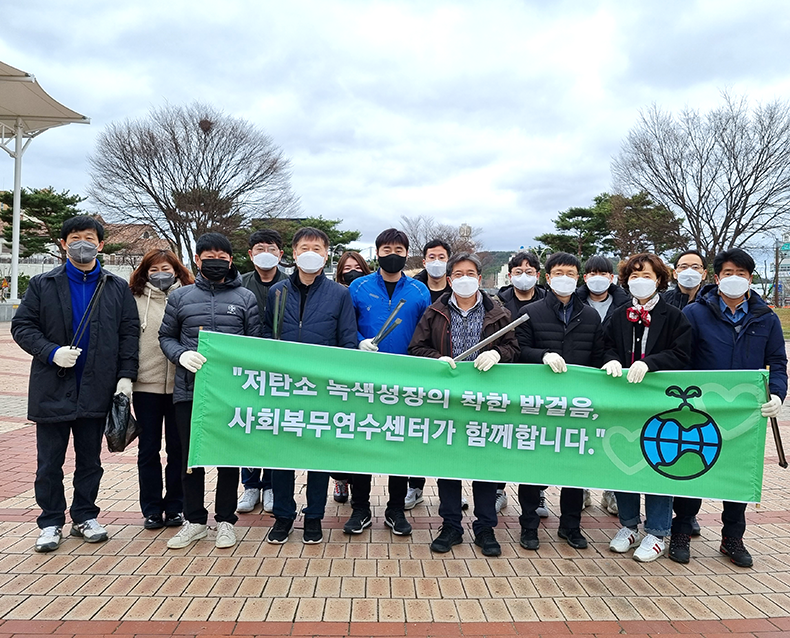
pixel 120 428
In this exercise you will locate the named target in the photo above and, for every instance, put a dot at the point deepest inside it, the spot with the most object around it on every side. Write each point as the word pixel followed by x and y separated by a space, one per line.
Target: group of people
pixel 92 336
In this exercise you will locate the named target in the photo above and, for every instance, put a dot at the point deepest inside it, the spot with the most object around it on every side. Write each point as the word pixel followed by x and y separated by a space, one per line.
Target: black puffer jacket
pixel 617 293
pixel 507 295
pixel 676 297
pixel 227 307
pixel 435 294
pixel 43 322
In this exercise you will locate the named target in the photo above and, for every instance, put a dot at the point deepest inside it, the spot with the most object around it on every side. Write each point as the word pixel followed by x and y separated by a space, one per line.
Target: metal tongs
pixel 511 326
pixel 780 451
pixel 86 318
pixel 389 325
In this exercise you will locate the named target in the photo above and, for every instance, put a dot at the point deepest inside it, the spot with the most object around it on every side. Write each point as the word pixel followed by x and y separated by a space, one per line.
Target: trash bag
pixel 120 429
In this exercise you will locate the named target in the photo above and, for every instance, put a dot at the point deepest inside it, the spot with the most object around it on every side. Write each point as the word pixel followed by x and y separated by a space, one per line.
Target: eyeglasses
pixel 518 271
pixel 696 267
pixel 271 249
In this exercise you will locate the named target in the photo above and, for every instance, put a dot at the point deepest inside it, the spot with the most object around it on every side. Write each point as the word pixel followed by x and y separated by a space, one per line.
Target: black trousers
pixel 484 495
pixel 152 411
pixel 52 440
pixel 417 482
pixel 733 516
pixel 194 481
pixel 571 502
pixel 360 491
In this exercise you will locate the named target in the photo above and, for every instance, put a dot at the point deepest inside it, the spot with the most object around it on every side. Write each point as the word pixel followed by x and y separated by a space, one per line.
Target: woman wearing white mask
pixel 691 271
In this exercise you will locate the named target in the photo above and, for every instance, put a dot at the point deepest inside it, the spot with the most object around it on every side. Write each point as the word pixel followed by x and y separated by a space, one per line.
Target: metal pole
pixel 776 276
pixel 17 212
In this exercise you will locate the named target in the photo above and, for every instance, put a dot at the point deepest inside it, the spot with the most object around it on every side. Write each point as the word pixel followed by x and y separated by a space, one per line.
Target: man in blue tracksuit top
pixel 374 297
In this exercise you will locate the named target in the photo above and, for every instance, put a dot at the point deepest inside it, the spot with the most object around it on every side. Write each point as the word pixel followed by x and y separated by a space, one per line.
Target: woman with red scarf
pixel 644 336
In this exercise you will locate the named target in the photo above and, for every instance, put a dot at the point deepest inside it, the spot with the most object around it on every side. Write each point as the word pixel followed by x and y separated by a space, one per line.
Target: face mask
pixel 162 280
pixel 392 263
pixel 563 285
pixel 265 261
pixel 215 269
pixel 642 287
pixel 310 262
pixel 598 284
pixel 436 268
pixel 524 281
pixel 733 286
pixel 689 278
pixel 82 252
pixel 465 286
pixel 350 276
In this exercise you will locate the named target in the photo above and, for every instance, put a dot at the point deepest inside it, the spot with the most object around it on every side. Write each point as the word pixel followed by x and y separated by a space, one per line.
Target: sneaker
pixel 609 502
pixel 413 497
pixel 396 521
pixel 48 539
pixel 464 503
pixel 312 531
pixel 541 510
pixel 733 547
pixel 573 536
pixel 280 531
pixel 188 534
pixel 624 540
pixel 248 500
pixel 340 493
pixel 695 529
pixel 268 500
pixel 587 499
pixel 154 522
pixel 447 538
pixel 649 549
pixel 487 542
pixel 91 531
pixel 174 519
pixel 529 538
pixel 501 500
pixel 359 520
pixel 226 535
pixel 680 548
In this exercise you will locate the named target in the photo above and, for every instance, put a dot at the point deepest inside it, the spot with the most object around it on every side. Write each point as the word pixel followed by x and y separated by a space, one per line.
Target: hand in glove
pixel 66 356
pixel 449 360
pixel 772 408
pixel 613 368
pixel 555 362
pixel 124 387
pixel 637 372
pixel 192 360
pixel 486 360
pixel 368 345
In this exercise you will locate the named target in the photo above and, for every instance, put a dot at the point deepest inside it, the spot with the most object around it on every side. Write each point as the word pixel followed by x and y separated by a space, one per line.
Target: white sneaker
pixel 609 502
pixel 189 533
pixel 464 503
pixel 625 539
pixel 48 539
pixel 501 500
pixel 650 549
pixel 587 499
pixel 248 500
pixel 268 500
pixel 413 497
pixel 226 535
pixel 90 531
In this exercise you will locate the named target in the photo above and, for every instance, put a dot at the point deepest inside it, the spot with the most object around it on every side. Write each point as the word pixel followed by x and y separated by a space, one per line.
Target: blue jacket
pixel 718 346
pixel 373 306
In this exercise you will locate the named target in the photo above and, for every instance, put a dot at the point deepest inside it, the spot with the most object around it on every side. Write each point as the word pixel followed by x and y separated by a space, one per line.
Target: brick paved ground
pixel 372 584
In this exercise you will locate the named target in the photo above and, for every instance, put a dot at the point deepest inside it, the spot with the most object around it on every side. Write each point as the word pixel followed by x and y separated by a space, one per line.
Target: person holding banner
pixel 307 308
pixel 731 328
pixel 452 325
pixel 646 336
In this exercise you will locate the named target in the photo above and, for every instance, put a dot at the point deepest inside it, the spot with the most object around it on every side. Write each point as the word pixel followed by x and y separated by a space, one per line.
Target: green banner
pixel 275 404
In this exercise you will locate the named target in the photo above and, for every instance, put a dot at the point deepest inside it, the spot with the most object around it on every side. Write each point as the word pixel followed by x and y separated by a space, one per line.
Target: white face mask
pixel 265 261
pixel 563 285
pixel 734 286
pixel 689 278
pixel 436 268
pixel 598 284
pixel 465 286
pixel 642 287
pixel 310 262
pixel 524 281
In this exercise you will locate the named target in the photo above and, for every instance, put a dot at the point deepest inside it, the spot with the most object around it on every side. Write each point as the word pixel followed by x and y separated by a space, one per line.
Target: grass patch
pixel 784 317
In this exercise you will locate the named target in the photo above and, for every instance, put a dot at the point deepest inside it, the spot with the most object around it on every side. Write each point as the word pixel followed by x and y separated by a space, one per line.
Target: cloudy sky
pixel 497 113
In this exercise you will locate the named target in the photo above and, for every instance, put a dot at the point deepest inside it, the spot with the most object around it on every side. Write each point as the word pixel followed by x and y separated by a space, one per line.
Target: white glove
pixel 124 387
pixel 368 345
pixel 449 360
pixel 486 360
pixel 192 360
pixel 66 356
pixel 555 362
pixel 637 372
pixel 772 408
pixel 613 368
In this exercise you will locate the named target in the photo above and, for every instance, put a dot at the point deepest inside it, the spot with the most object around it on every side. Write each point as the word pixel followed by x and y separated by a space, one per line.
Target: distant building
pixel 136 239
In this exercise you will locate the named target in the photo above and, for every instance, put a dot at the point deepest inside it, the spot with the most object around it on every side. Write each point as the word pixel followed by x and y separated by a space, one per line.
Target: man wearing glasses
pixel 690 273
pixel 524 273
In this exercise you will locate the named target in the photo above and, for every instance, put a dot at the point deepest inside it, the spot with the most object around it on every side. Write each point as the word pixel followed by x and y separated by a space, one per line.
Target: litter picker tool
pixel 86 318
pixel 780 451
pixel 390 324
pixel 490 339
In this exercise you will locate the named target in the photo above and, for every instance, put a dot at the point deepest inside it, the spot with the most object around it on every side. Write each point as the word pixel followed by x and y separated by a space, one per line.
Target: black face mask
pixel 215 269
pixel 392 263
pixel 162 280
pixel 350 276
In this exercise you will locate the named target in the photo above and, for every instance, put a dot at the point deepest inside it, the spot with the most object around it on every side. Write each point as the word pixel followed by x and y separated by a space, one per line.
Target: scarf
pixel 639 313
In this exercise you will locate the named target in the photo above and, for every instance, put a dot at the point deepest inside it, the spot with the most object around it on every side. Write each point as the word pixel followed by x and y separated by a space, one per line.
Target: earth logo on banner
pixel 683 443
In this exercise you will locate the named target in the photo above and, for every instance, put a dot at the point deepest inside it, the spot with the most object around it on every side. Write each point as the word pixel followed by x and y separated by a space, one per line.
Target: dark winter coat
pixel 617 293
pixel 43 323
pixel 675 297
pixel 507 296
pixel 227 307
pixel 579 341
pixel 716 345
pixel 422 276
pixel 252 281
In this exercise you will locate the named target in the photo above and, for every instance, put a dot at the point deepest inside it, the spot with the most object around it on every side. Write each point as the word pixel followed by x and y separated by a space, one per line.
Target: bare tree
pixel 421 229
pixel 188 170
pixel 727 171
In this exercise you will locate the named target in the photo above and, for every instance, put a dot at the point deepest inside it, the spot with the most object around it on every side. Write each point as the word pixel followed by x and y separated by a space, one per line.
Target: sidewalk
pixel 372 584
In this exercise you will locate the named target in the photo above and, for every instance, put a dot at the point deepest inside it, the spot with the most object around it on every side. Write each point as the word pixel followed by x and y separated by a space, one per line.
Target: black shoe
pixel 312 531
pixel 680 547
pixel 359 520
pixel 448 536
pixel 174 520
pixel 733 547
pixel 281 531
pixel 396 520
pixel 154 522
pixel 695 530
pixel 486 540
pixel 529 538
pixel 574 537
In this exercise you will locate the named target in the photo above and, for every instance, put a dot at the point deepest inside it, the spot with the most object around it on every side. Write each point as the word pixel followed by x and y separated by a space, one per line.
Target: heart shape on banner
pixel 631 437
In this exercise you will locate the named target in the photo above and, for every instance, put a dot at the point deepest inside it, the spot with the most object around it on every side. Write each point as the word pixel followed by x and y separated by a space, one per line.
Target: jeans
pixel 151 410
pixel 52 440
pixel 733 517
pixel 484 495
pixel 194 480
pixel 360 491
pixel 658 512
pixel 571 502
pixel 284 503
pixel 251 478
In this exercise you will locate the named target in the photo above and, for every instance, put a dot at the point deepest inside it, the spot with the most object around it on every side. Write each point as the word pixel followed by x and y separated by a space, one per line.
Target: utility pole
pixel 776 275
